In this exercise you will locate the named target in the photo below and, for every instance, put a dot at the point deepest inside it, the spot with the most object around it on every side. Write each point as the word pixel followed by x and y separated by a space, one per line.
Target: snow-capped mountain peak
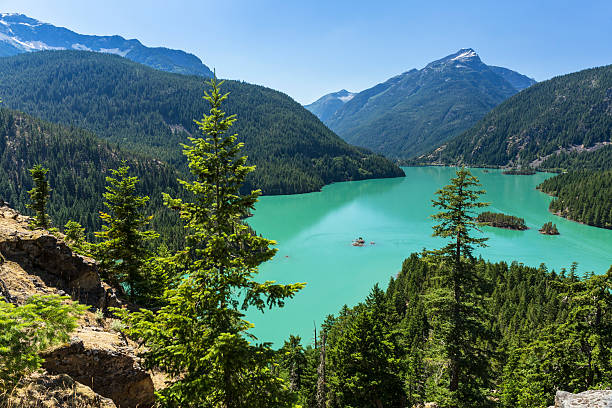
pixel 22 19
pixel 465 54
pixel 20 33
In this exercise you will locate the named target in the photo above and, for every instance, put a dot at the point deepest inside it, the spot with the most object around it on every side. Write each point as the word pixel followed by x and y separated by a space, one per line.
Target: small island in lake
pixel 524 171
pixel 500 220
pixel 549 229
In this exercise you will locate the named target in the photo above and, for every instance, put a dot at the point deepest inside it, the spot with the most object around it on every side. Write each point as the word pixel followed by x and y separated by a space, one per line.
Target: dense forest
pixel 78 164
pixel 501 220
pixel 584 193
pixel 153 112
pixel 598 159
pixel 384 352
pixel 569 110
pixel 584 196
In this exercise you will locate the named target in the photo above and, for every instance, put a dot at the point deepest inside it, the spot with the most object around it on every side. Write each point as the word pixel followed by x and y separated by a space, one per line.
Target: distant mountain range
pixel 419 109
pixel 20 33
pixel 325 107
pixel 569 113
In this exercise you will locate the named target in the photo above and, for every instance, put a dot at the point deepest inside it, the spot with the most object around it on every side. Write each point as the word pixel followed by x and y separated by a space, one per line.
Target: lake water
pixel 314 233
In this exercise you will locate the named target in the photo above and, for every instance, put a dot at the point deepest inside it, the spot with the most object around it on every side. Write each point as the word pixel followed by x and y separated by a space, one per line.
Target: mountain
pixel 20 33
pixel 153 112
pixel 327 105
pixel 79 164
pixel 568 113
pixel 518 81
pixel 419 109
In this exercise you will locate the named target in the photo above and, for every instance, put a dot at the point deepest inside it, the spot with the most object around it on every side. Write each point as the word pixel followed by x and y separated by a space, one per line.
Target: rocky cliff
pixel 99 367
pixel 587 399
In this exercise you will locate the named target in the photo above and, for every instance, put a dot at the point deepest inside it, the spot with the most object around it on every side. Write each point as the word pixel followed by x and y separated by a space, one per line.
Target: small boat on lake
pixel 359 242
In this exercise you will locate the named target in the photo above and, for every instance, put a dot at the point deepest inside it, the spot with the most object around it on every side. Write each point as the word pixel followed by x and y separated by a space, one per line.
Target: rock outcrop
pixel 587 399
pixel 106 363
pixel 56 391
pixel 36 262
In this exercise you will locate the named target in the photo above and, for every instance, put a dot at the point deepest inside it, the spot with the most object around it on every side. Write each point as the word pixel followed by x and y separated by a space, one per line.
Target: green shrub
pixel 27 330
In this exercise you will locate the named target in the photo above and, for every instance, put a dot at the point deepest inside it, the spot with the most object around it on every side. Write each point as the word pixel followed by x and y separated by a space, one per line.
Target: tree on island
pixel 549 229
pixel 39 196
pixel 457 297
pixel 199 337
pixel 501 220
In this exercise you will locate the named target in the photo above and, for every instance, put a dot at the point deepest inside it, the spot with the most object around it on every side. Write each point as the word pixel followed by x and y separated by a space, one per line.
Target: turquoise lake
pixel 314 233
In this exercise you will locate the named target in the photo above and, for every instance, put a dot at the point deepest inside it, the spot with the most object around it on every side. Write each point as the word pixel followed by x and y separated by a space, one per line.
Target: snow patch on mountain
pixel 27 46
pixel 465 55
pixel 81 47
pixel 346 98
pixel 27 24
pixel 115 51
pixel 24 34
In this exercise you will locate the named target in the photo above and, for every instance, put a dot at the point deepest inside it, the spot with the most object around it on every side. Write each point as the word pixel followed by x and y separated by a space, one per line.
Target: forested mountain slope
pixel 153 112
pixel 78 164
pixel 20 33
pixel 419 109
pixel 573 110
pixel 584 193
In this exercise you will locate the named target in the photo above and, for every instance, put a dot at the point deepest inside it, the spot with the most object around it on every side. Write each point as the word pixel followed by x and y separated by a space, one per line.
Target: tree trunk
pixel 321 382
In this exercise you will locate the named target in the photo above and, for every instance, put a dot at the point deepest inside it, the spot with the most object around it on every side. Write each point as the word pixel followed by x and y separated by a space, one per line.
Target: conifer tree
pixel 199 337
pixel 363 357
pixel 456 301
pixel 577 352
pixel 28 329
pixel 294 359
pixel 321 395
pixel 123 249
pixel 39 196
pixel 75 237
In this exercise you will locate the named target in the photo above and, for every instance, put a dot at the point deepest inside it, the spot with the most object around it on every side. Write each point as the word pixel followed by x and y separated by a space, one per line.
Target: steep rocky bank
pixel 97 358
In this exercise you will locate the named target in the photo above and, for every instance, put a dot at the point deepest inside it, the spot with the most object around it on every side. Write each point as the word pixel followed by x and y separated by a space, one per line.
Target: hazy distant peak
pixel 326 105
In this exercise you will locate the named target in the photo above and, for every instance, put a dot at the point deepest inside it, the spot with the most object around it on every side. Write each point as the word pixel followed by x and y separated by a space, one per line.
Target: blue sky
pixel 310 48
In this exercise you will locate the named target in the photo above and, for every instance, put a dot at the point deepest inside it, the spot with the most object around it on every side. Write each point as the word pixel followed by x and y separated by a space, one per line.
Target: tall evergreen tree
pixel 321 396
pixel 199 336
pixel 39 196
pixel 363 357
pixel 460 319
pixel 294 359
pixel 123 249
